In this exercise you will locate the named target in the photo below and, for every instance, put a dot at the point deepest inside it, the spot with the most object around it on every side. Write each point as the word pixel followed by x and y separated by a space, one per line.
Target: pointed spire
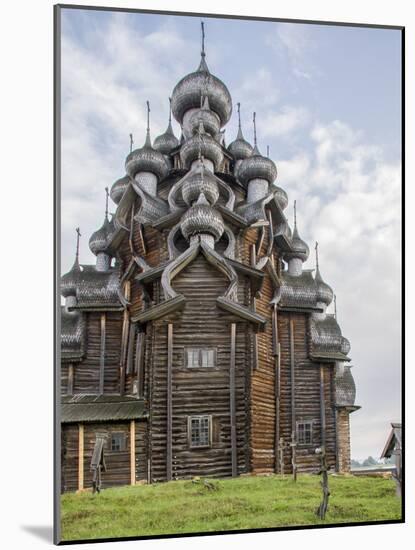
pixel 76 262
pixel 335 307
pixel 268 151
pixel 203 66
pixel 106 203
pixel 316 249
pixel 131 142
pixel 148 139
pixel 295 214
pixel 169 126
pixel 256 150
pixel 239 135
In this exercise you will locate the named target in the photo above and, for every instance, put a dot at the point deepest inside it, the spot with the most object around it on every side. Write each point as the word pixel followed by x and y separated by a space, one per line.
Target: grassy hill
pixel 241 503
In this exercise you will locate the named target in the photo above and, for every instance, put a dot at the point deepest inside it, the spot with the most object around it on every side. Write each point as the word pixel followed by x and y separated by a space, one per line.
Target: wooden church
pixel 197 345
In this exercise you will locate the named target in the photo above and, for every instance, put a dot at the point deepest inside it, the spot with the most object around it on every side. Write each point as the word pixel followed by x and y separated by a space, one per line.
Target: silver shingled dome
pixel 202 218
pixel 188 91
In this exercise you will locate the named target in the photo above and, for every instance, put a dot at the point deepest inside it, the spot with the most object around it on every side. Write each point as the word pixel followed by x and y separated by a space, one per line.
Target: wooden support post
pixel 80 457
pixel 102 355
pixel 293 415
pixel 132 451
pixel 124 339
pixel 232 401
pixel 322 408
pixel 169 400
pixel 277 406
pixel 253 305
pixel 69 389
pixel 139 368
pixel 276 352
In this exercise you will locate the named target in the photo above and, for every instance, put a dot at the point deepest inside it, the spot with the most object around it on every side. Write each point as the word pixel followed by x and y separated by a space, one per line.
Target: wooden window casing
pixel 199 431
pixel 304 433
pixel 118 442
pixel 200 358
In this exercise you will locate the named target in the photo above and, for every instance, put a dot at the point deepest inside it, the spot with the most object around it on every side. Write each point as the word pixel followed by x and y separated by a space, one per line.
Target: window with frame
pixel 117 442
pixel 199 431
pixel 304 433
pixel 200 357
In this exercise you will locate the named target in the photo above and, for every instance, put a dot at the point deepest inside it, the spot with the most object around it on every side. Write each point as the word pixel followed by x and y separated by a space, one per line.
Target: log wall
pixel 198 391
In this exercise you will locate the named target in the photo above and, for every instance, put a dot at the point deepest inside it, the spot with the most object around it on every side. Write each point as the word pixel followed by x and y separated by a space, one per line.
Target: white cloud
pixel 285 121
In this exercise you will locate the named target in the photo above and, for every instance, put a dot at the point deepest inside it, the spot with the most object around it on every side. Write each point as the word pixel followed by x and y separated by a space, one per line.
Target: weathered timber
pixel 80 457
pixel 232 401
pixel 169 400
pixel 102 355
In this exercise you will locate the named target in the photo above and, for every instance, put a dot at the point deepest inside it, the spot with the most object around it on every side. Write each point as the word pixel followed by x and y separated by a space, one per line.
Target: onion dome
pixel 299 247
pixel 211 121
pixel 118 188
pixel 188 91
pixel 281 197
pixel 201 144
pixel 202 218
pixel 324 291
pixel 345 348
pixel 69 280
pixel 147 159
pixel 239 148
pixel 200 181
pixel 99 240
pixel 256 166
pixel 168 141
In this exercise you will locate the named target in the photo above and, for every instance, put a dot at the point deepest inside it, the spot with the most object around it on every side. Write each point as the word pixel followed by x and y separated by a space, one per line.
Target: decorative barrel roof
pixel 100 239
pixel 200 181
pixel 345 388
pixel 188 91
pixel 211 121
pixel 70 280
pixel 281 197
pixel 345 348
pixel 202 218
pixel 118 188
pixel 72 335
pixel 201 144
pixel 324 291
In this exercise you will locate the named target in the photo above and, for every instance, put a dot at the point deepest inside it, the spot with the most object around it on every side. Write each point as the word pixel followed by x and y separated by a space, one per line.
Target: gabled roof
pixel 98 289
pixel 394 441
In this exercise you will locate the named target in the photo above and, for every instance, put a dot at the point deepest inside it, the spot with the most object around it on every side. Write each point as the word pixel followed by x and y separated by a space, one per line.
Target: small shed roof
pixel 99 408
pixel 394 440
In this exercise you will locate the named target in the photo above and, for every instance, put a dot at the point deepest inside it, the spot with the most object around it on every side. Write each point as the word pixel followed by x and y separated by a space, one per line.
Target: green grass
pixel 242 503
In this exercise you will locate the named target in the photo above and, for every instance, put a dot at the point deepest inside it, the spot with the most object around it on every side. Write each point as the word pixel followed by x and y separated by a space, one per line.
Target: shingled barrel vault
pixel 197 344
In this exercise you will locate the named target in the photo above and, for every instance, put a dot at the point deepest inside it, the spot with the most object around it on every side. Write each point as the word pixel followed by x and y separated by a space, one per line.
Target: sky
pixel 328 104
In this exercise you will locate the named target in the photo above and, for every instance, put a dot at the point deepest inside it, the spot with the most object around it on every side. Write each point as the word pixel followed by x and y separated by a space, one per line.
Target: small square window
pixel 118 441
pixel 304 433
pixel 200 357
pixel 199 431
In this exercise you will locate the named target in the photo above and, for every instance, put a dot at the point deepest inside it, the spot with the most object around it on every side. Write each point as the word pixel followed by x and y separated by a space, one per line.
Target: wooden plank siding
pixel 87 373
pixel 197 391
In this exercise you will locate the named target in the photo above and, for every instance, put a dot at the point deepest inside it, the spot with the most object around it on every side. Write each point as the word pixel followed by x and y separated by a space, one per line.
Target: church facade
pixel 198 345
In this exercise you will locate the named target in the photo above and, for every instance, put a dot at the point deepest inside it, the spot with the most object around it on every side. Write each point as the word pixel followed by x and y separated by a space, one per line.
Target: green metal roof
pixel 100 408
